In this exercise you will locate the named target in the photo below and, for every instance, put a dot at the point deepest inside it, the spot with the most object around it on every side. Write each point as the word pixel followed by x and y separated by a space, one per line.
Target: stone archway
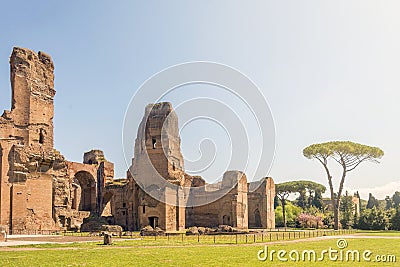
pixel 84 192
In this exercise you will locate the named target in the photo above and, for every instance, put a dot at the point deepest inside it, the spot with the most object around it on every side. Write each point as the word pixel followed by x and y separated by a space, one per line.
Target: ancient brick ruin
pixel 40 190
pixel 157 154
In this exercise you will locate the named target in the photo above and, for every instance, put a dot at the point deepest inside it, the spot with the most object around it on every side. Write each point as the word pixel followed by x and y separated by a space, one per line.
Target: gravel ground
pixel 18 240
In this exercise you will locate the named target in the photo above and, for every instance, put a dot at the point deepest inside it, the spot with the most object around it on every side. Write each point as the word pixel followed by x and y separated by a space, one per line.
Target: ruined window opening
pixel 123 212
pixel 226 220
pixel 153 221
pixel 173 166
pixel 154 143
pixel 124 205
pixel 41 136
pixel 144 209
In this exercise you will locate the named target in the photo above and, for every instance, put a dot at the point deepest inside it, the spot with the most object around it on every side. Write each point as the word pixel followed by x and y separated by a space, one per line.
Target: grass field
pixel 149 252
pixel 379 233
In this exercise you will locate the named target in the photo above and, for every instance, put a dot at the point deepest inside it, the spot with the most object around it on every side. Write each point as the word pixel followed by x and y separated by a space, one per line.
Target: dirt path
pixel 11 248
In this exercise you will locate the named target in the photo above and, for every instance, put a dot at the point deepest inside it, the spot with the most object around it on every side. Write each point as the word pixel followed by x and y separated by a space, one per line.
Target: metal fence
pixel 216 238
pixel 237 238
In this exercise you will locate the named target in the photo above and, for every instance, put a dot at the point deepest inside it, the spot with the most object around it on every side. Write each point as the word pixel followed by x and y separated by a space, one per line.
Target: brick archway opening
pixel 84 192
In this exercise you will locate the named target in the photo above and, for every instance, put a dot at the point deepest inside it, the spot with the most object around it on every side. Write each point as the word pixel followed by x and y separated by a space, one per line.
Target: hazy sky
pixel 329 70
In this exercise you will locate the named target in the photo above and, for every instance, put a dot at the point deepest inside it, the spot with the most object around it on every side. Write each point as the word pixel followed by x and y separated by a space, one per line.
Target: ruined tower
pixel 157 163
pixel 32 108
pixel 26 141
pixel 158 140
pixel 160 194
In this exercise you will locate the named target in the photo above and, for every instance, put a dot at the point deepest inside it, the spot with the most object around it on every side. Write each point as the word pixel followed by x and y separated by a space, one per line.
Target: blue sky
pixel 329 70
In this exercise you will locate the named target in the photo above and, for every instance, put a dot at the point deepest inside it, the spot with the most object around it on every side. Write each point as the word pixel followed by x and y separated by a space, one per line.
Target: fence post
pixel 262 237
pixel 198 238
pixel 246 238
pixel 236 238
pixel 182 237
pixel 254 238
pixel 214 239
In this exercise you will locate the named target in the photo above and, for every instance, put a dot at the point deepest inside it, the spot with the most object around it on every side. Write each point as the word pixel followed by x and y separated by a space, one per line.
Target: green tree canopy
pixel 389 203
pixel 347 211
pixel 348 155
pixel 372 202
pixel 283 190
pixel 396 199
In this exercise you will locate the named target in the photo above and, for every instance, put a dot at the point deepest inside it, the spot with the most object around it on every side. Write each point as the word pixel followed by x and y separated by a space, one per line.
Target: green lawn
pixel 154 253
pixel 378 233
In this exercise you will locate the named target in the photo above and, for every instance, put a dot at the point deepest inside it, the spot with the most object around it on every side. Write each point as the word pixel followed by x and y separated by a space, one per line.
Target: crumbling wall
pixel 261 203
pixel 230 209
pixel 26 138
pixel 37 185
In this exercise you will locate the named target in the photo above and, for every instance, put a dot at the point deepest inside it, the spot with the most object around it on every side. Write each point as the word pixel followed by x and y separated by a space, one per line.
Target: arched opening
pixel 257 218
pixel 226 220
pixel 84 192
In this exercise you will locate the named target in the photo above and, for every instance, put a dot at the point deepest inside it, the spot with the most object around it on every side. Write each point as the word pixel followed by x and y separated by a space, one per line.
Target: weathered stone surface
pixel 192 231
pixel 150 231
pixel 107 238
pixel 113 229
